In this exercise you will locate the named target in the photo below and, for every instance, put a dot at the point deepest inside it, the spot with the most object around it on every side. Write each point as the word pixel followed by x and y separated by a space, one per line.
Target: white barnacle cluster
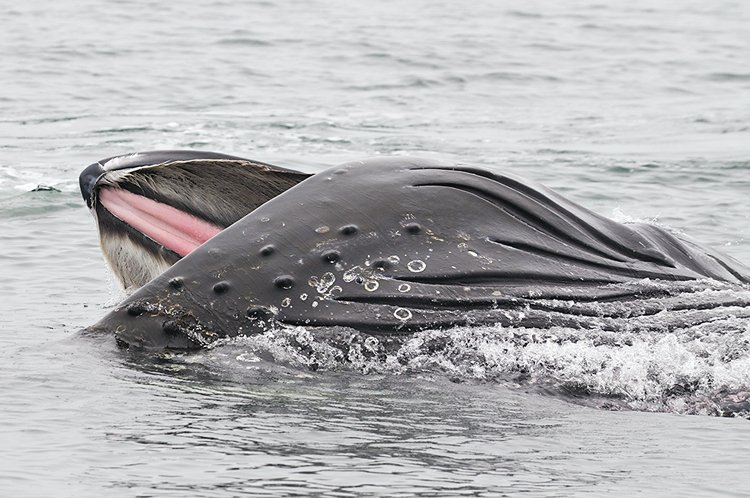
pixel 366 276
pixel 323 285
pixel 352 273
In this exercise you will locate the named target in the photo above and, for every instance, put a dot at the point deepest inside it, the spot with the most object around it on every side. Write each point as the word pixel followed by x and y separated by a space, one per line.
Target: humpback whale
pixel 385 246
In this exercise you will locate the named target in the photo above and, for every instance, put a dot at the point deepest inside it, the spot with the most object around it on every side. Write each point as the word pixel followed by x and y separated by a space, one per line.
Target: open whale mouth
pixel 175 230
pixel 153 208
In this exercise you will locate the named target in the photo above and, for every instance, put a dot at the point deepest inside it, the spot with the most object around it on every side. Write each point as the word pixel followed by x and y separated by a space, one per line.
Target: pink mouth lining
pixel 174 229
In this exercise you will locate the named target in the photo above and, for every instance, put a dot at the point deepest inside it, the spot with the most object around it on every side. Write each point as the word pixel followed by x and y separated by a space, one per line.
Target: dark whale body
pixel 390 246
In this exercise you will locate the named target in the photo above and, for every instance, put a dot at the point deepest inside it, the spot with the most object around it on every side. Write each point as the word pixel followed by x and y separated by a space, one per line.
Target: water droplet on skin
pixel 286 302
pixel 402 314
pixel 265 219
pixel 323 229
pixel 473 253
pixel 404 288
pixel 303 297
pixel 416 266
pixel 371 285
pixel 315 304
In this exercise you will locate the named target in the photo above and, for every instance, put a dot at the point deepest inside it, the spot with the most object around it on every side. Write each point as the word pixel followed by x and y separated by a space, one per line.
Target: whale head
pixel 153 208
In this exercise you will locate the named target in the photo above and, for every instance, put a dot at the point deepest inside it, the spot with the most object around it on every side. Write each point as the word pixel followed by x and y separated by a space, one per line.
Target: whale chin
pixel 153 208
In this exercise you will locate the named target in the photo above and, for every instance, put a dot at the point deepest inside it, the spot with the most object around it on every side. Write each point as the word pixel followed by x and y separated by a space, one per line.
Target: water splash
pixel 697 369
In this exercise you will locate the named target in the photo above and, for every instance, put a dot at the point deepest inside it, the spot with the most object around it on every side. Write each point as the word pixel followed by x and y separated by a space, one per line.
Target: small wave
pixel 29 180
pixel 38 201
pixel 728 76
pixel 123 129
pixel 741 165
pixel 433 61
pixel 524 14
pixel 406 83
pixel 244 41
pixel 512 76
pixel 52 120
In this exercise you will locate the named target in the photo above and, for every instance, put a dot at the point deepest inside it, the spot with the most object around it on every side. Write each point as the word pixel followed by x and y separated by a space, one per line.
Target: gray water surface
pixel 638 110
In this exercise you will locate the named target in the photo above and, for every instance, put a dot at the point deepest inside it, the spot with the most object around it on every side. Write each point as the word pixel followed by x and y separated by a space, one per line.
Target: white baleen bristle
pixel 115 162
pixel 130 262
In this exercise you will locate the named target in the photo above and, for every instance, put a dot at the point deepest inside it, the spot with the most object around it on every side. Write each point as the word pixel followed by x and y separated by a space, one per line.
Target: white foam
pixel 697 369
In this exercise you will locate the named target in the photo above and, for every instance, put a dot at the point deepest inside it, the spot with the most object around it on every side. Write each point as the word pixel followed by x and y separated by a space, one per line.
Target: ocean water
pixel 638 110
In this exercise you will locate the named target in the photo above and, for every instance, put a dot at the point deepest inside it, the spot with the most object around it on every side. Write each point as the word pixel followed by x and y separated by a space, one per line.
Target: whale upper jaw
pixel 152 208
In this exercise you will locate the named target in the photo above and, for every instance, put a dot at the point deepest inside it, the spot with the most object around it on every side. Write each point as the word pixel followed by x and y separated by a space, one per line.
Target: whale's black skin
pixel 217 188
pixel 389 246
